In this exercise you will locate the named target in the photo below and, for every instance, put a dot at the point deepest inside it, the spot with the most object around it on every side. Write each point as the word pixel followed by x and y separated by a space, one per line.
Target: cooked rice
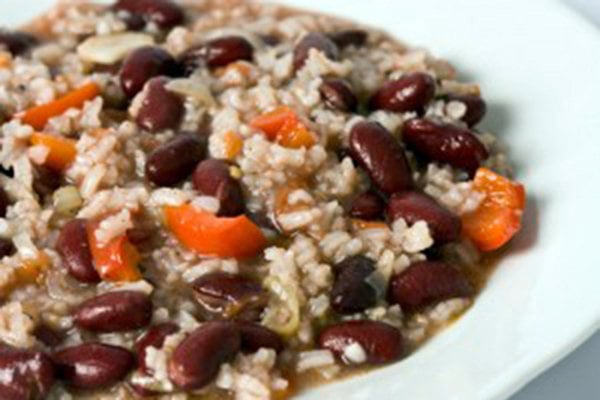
pixel 107 180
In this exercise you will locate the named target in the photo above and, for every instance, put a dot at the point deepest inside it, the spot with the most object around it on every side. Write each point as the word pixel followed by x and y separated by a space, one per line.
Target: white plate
pixel 539 66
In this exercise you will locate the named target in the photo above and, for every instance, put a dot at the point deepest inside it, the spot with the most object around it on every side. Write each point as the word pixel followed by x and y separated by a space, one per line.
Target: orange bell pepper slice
pixel 118 260
pixel 233 145
pixel 272 122
pixel 295 135
pixel 31 271
pixel 62 151
pixel 283 126
pixel 498 217
pixel 207 234
pixel 360 224
pixel 38 116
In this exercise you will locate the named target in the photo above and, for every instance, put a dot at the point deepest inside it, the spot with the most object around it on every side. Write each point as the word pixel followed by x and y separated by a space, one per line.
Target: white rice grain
pixel 314 359
pixel 355 353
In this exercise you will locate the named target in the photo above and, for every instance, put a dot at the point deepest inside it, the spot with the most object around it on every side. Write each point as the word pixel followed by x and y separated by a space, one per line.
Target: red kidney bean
pixel 26 374
pixel 367 206
pixel 381 342
pixel 255 337
pixel 4 202
pixel 140 391
pixel 382 157
pixel 164 13
pixel 217 53
pixel 317 41
pixel 17 42
pixel 118 311
pixel 139 236
pixel 213 178
pixel 411 92
pixel 444 143
pixel 175 160
pixel 143 64
pixel 73 246
pixel 45 181
pixel 349 37
pixel 197 359
pixel 7 248
pixel 154 337
pixel 161 109
pixel 338 95
pixel 48 336
pixel 476 107
pixel 425 283
pixel 351 293
pixel 134 22
pixel 93 365
pixel 444 225
pixel 229 296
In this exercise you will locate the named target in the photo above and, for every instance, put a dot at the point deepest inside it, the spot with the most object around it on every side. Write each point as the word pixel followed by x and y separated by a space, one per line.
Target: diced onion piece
pixel 67 200
pixel 283 313
pixel 192 88
pixel 108 49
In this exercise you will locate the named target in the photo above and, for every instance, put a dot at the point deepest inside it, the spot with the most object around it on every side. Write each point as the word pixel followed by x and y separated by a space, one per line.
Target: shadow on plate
pixel 529 235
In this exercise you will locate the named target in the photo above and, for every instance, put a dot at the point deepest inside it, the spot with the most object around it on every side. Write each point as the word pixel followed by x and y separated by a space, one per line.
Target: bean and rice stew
pixel 231 199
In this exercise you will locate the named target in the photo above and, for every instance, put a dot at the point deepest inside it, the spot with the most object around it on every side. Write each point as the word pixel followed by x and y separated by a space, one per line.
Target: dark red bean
pixel 382 157
pixel 139 236
pixel 4 202
pixel 381 342
pixel 134 22
pixel 411 92
pixel 367 206
pixel 93 365
pixel 426 283
pixel 118 311
pixel 444 143
pixel 154 337
pixel 160 109
pixel 476 107
pixel 175 160
pixel 25 374
pixel 262 219
pixel 351 292
pixel 217 53
pixel 46 181
pixel 229 296
pixel 338 95
pixel 164 13
pixel 197 359
pixel 213 178
pixel 48 336
pixel 73 246
pixel 17 43
pixel 255 337
pixel 140 391
pixel 10 172
pixel 143 64
pixel 7 248
pixel 444 225
pixel 349 37
pixel 317 41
